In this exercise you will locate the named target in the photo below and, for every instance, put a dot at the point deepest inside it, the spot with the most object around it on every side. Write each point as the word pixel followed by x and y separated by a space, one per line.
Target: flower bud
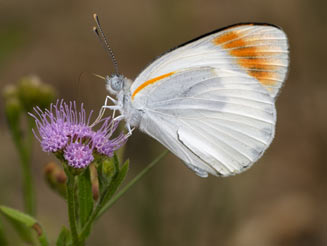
pixel 47 95
pixel 13 109
pixel 32 92
pixel 9 92
pixel 108 168
pixel 55 178
pixel 95 191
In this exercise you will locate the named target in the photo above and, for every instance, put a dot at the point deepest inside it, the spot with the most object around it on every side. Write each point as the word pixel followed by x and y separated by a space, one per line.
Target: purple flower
pixel 63 128
pixel 78 155
pixel 101 140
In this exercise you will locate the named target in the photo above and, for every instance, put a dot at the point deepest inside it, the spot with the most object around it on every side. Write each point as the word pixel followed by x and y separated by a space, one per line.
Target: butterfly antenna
pixel 100 34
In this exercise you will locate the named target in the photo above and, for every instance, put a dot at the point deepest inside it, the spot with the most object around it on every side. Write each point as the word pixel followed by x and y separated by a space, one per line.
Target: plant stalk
pixel 132 183
pixel 100 210
pixel 28 188
pixel 72 207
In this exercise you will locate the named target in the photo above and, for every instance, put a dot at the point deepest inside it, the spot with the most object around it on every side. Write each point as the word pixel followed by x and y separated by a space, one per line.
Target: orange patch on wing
pixel 228 36
pixel 252 53
pixel 265 77
pixel 257 63
pixel 234 44
pixel 249 41
pixel 149 82
pixel 268 82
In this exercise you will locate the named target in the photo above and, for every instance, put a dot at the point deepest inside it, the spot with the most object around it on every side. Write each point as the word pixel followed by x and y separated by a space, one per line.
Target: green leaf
pixel 116 162
pixel 106 195
pixel 64 238
pixel 26 220
pixel 85 197
pixel 132 183
pixel 18 216
pixel 117 180
pixel 23 231
pixel 114 185
pixel 3 240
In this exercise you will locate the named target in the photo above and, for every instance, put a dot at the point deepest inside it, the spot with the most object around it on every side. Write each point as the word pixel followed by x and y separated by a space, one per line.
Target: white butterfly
pixel 210 101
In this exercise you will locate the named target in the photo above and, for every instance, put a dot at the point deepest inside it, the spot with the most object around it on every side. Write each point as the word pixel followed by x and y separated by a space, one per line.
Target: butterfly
pixel 210 101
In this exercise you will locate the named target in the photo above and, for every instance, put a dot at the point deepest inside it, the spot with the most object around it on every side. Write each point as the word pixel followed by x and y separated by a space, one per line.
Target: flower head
pixel 101 139
pixel 64 128
pixel 78 154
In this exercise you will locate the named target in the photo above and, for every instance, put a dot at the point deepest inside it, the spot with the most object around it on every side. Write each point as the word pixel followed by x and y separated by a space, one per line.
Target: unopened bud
pixel 32 92
pixel 108 168
pixel 61 177
pixel 50 168
pixel 55 178
pixel 47 95
pixel 10 91
pixel 13 109
pixel 95 191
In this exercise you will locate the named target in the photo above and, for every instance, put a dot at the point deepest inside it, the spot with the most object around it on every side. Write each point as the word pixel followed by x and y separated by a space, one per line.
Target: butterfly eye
pixel 116 82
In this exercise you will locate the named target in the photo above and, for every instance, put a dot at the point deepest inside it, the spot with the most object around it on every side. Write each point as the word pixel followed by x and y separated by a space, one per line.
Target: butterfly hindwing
pixel 215 120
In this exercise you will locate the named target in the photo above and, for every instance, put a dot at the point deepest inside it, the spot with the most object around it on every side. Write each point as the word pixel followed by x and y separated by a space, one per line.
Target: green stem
pixel 29 195
pixel 87 227
pixel 100 210
pixel 72 207
pixel 28 189
pixel 131 183
pixel 30 135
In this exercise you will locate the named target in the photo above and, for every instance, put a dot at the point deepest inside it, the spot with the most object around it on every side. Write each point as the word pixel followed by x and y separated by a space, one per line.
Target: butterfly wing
pixel 259 50
pixel 211 102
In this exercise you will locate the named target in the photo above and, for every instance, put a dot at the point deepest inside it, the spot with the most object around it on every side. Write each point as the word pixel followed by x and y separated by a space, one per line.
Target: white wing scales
pixel 211 102
pixel 221 134
pixel 260 51
pixel 163 129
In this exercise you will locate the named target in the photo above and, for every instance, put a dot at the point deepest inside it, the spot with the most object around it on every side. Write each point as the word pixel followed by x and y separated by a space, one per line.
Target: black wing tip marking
pixel 223 29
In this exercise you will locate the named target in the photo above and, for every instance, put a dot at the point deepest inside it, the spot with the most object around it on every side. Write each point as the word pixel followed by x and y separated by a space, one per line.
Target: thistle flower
pixel 66 130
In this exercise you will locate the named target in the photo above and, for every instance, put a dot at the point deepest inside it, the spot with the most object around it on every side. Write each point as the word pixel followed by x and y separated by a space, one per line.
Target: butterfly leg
pixel 130 130
pixel 111 99
pixel 104 107
pixel 128 126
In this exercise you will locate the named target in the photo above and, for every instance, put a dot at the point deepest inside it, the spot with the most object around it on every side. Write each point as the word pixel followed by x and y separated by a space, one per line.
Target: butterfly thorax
pixel 119 86
pixel 131 115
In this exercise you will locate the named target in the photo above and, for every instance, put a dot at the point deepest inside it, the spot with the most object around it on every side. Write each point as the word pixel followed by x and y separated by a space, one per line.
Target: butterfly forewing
pixel 211 101
pixel 260 51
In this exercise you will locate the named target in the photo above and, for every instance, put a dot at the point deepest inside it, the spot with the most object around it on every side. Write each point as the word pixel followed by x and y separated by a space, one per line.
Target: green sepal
pixel 26 220
pixel 85 197
pixel 64 238
pixel 75 171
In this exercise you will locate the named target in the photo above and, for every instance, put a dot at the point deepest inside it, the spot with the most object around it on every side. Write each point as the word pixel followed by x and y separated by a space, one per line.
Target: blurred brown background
pixel 281 200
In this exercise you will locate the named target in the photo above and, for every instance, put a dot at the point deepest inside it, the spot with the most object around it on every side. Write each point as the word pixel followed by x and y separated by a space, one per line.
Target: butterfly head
pixel 115 83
